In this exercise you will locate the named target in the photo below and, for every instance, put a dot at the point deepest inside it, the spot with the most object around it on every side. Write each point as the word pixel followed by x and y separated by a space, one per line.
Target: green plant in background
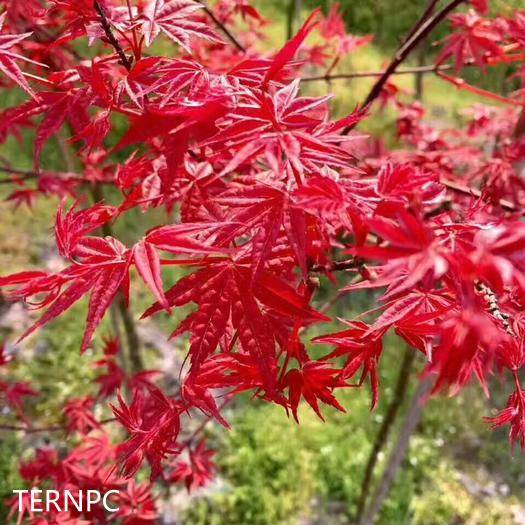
pixel 9 479
pixel 268 472
pixel 444 500
pixel 275 472
pixel 265 454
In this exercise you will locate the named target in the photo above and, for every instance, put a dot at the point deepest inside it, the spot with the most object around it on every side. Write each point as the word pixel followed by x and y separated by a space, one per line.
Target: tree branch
pixel 386 426
pixel 23 175
pixel 223 28
pixel 125 61
pixel 423 29
pixel 519 129
pixel 336 266
pixel 52 428
pixel 419 32
pixel 135 356
pixel 422 19
pixel 431 68
pixel 474 192
pixel 205 422
pixel 410 423
pixel 15 171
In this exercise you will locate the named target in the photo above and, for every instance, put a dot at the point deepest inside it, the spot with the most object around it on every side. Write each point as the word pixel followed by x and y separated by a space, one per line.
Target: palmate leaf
pixel 225 293
pixel 56 107
pixel 278 126
pixel 100 266
pixel 475 38
pixel 8 58
pixel 175 19
pixel 102 275
pixel 362 349
pixel 266 211
pixel 314 381
pixel 104 291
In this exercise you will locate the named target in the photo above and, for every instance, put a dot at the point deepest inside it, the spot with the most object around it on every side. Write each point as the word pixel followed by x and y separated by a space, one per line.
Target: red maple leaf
pixel 79 415
pixel 153 424
pixel 314 381
pixel 362 347
pixel 225 293
pixel 514 416
pixel 136 504
pixel 198 470
pixel 175 18
pixel 8 58
pixel 475 38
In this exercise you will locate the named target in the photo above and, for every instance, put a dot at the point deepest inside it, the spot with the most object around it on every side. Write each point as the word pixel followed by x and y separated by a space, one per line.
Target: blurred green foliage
pixel 9 478
pixel 387 20
pixel 274 472
pixel 445 500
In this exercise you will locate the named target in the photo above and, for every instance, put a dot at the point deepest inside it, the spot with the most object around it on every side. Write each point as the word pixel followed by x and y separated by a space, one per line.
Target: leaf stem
pixel 418 33
pixel 104 22
pixel 430 68
pixel 223 28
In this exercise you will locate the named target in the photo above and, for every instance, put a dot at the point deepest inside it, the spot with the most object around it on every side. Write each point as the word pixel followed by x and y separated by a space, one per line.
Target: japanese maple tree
pixel 264 193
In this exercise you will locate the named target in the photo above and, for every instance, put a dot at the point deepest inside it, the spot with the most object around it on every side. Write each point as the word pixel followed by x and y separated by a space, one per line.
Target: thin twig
pixel 15 171
pixel 399 451
pixel 126 62
pixel 431 68
pixel 475 192
pixel 385 428
pixel 205 422
pixel 423 29
pixel 23 175
pixel 53 428
pixel 419 32
pixel 336 266
pixel 32 430
pixel 223 28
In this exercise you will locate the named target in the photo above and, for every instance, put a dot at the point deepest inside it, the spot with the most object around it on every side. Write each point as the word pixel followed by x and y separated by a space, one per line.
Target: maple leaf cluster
pixel 264 191
pixel 94 463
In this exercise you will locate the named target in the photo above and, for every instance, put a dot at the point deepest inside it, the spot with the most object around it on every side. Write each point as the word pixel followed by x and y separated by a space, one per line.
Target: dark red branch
pixel 431 68
pixel 422 19
pixel 336 266
pixel 419 32
pixel 223 28
pixel 422 31
pixel 519 129
pixel 125 61
pixel 474 192
pixel 53 428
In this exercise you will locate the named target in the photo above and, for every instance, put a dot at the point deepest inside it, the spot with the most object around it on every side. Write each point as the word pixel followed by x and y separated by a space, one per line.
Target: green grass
pixel 276 472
